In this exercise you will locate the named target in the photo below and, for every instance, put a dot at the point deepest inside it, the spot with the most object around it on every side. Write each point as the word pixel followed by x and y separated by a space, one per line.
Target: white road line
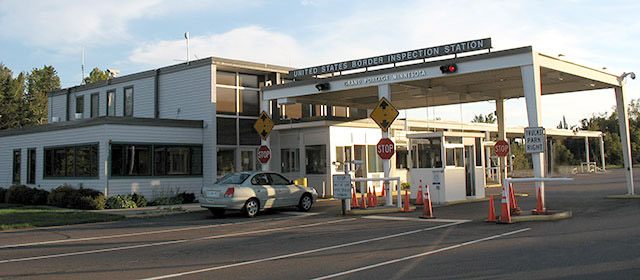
pixel 134 234
pixel 421 254
pixel 170 242
pixel 299 253
pixel 392 218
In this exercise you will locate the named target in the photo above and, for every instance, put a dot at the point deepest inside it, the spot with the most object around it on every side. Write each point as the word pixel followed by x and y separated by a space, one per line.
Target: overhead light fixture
pixel 323 86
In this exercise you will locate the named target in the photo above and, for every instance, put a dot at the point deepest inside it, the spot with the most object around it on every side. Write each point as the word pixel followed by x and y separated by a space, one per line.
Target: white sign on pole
pixel 535 139
pixel 342 186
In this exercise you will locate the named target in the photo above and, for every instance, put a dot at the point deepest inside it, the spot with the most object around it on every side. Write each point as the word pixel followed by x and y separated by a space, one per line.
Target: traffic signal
pixel 450 68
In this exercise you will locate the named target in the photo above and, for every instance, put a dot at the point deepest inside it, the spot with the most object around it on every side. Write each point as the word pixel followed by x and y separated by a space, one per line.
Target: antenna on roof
pixel 82 82
pixel 186 36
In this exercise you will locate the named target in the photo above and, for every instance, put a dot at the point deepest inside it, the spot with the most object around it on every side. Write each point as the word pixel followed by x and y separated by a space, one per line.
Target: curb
pixel 464 201
pixel 623 196
pixel 377 211
pixel 553 217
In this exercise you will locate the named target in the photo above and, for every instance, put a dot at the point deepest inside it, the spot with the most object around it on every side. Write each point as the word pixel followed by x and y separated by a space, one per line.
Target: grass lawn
pixel 15 217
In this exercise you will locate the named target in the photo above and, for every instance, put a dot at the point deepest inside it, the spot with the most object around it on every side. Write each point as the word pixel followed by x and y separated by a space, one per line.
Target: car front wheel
pixel 305 203
pixel 251 207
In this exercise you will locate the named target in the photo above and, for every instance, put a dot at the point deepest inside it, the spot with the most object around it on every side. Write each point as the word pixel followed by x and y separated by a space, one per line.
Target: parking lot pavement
pixel 600 241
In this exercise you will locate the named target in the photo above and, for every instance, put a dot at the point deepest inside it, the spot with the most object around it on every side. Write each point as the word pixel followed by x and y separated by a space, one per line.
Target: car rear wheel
pixel 251 207
pixel 217 212
pixel 305 202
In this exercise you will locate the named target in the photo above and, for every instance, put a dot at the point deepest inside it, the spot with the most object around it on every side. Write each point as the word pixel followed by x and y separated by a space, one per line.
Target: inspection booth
pixel 451 163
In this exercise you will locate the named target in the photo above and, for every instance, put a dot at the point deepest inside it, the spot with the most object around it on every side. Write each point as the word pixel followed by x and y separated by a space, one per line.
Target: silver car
pixel 252 191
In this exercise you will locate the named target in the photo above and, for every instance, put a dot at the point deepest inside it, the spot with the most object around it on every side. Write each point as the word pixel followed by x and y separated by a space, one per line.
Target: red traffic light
pixel 451 68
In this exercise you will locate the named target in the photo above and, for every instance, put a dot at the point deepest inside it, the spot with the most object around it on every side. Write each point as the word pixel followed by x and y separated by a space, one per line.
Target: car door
pixel 287 194
pixel 265 192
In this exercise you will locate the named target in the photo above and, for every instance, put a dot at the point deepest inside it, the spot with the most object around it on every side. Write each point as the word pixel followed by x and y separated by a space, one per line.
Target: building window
pixel 290 160
pixel 247 160
pixel 401 158
pixel 248 134
pixel 80 104
pixel 226 159
pixel 373 160
pixel 249 103
pixel 316 162
pixel 225 78
pixel 340 111
pixel 226 100
pixel 17 154
pixel 130 160
pixel 128 102
pixel 248 81
pixel 226 131
pixel 455 157
pixel 71 161
pixel 177 160
pixel 343 155
pixel 291 111
pixel 95 102
pixel 478 147
pixel 31 166
pixel 111 102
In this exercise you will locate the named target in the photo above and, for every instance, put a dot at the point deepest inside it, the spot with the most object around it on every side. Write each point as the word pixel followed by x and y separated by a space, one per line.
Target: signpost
pixel 264 125
pixel 535 139
pixel 501 148
pixel 342 188
pixel 384 114
pixel 385 148
pixel 264 154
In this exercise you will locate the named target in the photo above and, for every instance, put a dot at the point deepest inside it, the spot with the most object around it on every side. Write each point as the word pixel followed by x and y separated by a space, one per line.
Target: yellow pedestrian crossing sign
pixel 384 114
pixel 264 125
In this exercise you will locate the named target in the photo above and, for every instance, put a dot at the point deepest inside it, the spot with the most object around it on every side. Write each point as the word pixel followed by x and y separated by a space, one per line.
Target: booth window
pixel 31 166
pixel 455 157
pixel 478 152
pixel 401 158
pixel 343 154
pixel 111 102
pixel 374 161
pixel 128 102
pixel 71 161
pixel 95 103
pixel 17 154
pixel 428 154
pixel 290 160
pixel 316 159
pixel 226 159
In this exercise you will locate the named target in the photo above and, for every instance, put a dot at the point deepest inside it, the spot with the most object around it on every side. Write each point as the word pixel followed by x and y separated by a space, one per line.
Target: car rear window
pixel 233 178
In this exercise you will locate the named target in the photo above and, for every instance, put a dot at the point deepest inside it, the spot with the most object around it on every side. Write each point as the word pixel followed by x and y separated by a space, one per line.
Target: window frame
pixel 16 166
pixel 112 93
pixel 95 112
pixel 80 109
pixel 75 154
pixel 153 173
pixel 124 101
pixel 31 160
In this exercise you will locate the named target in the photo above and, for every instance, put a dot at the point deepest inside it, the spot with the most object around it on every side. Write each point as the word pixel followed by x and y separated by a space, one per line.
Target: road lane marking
pixel 393 218
pixel 300 253
pixel 138 233
pixel 171 242
pixel 422 254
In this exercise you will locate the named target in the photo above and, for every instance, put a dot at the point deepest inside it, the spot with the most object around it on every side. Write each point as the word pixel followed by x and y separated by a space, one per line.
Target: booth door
pixel 469 164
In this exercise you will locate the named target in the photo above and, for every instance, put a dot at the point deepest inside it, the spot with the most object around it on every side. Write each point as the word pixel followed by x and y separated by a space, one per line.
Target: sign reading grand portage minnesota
pixel 423 53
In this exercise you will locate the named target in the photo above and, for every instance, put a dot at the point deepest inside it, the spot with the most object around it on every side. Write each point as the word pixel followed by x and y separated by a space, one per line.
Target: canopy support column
pixel 532 94
pixel 623 123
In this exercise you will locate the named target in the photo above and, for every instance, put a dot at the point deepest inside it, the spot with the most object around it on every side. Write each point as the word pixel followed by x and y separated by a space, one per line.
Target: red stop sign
pixel 502 148
pixel 385 148
pixel 264 154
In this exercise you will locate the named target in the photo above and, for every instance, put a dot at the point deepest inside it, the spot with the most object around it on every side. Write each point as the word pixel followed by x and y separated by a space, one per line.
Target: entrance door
pixel 469 166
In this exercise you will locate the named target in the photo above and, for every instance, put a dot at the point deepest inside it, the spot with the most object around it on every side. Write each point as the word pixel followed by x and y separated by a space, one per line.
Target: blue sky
pixel 134 36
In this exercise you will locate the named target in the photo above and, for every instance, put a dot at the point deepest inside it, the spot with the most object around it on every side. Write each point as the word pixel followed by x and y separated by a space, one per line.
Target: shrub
pixel 139 199
pixel 119 202
pixel 66 196
pixel 170 196
pixel 62 196
pixel 187 197
pixel 20 194
pixel 40 197
pixel 3 191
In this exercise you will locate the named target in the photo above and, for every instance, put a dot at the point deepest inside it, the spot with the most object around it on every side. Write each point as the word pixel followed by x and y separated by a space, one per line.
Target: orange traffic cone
pixel 363 205
pixel 354 199
pixel 419 200
pixel 375 197
pixel 384 187
pixel 540 210
pixel 370 198
pixel 492 211
pixel 406 202
pixel 515 210
pixel 505 213
pixel 427 210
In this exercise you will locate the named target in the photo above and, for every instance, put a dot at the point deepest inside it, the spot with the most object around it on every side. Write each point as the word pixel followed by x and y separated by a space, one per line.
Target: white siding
pixel 58 107
pixel 186 95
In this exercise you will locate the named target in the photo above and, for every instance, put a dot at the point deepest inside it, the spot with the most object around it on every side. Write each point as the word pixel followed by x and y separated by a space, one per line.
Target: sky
pixel 134 36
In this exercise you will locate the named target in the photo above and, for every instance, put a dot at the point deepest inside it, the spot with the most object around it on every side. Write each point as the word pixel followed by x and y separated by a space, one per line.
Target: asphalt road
pixel 602 240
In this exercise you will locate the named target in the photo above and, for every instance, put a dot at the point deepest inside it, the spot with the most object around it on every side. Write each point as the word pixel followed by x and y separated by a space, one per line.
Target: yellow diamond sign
pixel 384 114
pixel 264 125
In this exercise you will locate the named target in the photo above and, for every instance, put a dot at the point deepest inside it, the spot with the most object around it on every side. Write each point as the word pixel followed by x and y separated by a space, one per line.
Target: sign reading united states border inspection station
pixel 455 48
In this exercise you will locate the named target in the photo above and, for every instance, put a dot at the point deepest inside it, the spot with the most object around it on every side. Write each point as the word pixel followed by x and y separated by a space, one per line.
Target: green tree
pixel 490 118
pixel 39 83
pixel 96 75
pixel 13 106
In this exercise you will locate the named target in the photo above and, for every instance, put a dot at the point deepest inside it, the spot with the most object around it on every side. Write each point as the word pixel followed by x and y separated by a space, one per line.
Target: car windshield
pixel 233 178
